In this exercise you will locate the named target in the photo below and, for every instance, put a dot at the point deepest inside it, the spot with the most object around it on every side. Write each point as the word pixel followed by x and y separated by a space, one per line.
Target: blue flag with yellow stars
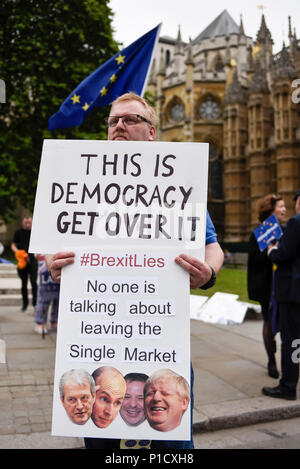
pixel 267 232
pixel 126 71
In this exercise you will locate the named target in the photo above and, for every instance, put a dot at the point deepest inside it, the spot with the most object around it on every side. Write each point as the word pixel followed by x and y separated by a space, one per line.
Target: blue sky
pixel 135 17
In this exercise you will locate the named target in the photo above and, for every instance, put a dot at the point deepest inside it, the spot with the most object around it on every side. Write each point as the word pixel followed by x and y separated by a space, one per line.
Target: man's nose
pixel 157 396
pixel 108 408
pixel 79 404
pixel 120 123
pixel 133 402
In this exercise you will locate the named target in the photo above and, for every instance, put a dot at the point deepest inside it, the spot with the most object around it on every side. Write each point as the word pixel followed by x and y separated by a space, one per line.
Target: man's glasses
pixel 127 119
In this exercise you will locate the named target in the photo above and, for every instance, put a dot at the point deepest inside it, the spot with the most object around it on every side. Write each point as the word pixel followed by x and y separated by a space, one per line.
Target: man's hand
pixel 55 262
pixel 272 246
pixel 200 272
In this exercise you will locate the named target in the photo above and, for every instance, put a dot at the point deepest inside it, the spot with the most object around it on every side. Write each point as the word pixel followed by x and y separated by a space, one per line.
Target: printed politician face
pixel 164 405
pixel 78 401
pixel 110 392
pixel 132 411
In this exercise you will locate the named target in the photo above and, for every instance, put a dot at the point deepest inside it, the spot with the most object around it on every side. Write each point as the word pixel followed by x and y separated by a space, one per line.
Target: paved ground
pixel 229 365
pixel 279 434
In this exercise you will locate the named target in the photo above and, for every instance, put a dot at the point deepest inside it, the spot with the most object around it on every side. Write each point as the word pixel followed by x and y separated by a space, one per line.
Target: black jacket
pixel 287 259
pixel 259 273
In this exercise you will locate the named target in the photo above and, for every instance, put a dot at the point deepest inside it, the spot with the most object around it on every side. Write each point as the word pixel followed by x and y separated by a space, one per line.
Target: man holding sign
pixel 132 119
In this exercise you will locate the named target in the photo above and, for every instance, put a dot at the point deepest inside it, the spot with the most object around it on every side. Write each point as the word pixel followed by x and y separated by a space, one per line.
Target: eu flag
pixel 126 71
pixel 267 232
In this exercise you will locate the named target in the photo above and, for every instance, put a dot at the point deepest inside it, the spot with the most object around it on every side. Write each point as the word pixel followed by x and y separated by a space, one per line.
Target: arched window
pixel 167 57
pixel 219 66
pixel 175 111
pixel 215 173
pixel 208 108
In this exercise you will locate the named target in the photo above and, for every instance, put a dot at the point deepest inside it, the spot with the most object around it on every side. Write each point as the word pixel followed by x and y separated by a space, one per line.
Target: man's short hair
pixel 78 377
pixel 183 387
pixel 150 111
pixel 130 377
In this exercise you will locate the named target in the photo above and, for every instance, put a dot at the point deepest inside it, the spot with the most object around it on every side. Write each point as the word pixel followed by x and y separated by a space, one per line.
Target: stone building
pixel 230 90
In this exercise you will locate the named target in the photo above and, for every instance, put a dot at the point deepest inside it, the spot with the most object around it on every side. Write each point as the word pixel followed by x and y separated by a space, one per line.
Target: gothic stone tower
pixel 226 89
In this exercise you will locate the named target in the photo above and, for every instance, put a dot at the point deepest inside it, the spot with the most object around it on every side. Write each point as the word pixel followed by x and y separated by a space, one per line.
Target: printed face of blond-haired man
pixel 164 406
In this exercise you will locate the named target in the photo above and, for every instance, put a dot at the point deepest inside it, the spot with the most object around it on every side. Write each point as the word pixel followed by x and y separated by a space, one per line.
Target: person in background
pixel 286 255
pixel 227 256
pixel 259 276
pixel 27 264
pixel 47 296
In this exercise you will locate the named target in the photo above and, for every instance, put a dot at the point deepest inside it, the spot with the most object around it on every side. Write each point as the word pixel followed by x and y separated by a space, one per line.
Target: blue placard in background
pixel 267 232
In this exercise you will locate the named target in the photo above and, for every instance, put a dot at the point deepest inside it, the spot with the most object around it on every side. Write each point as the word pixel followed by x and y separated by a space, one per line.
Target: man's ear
pixel 185 403
pixel 152 133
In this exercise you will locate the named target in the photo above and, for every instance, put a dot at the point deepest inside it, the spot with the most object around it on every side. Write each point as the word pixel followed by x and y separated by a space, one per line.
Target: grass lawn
pixel 228 281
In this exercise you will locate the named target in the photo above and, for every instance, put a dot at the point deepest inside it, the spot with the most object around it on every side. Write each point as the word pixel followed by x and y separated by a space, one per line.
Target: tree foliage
pixel 47 47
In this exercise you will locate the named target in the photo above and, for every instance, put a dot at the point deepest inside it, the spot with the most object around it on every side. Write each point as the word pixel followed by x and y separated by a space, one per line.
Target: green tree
pixel 47 47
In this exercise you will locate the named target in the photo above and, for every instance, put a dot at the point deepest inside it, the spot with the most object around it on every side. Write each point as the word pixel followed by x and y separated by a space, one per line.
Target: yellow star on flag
pixel 75 98
pixel 120 59
pixel 85 107
pixel 103 91
pixel 113 78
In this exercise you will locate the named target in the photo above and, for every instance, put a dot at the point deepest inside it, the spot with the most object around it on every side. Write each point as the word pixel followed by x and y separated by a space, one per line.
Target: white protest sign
pixel 127 209
pixel 116 192
pixel 128 309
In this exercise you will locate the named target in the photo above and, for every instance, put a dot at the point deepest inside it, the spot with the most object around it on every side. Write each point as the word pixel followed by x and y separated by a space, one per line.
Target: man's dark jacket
pixel 259 273
pixel 287 259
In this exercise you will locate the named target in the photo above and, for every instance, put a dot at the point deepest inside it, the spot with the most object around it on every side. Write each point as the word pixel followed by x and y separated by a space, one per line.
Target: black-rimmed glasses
pixel 127 119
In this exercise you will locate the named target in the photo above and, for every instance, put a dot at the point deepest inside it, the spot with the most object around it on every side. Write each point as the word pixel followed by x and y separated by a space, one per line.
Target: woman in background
pixel 260 276
pixel 47 296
